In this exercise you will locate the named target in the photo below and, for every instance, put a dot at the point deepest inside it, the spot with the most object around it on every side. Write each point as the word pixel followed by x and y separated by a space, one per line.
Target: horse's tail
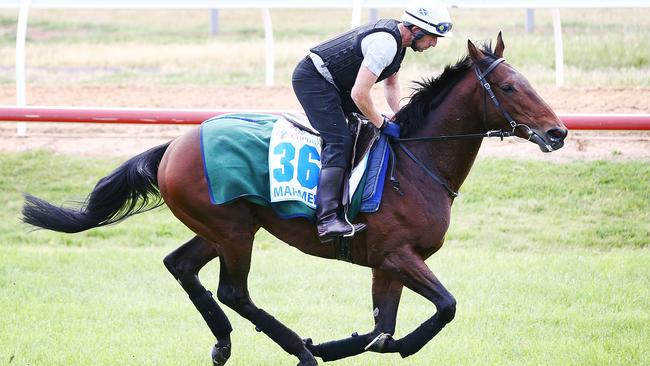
pixel 128 190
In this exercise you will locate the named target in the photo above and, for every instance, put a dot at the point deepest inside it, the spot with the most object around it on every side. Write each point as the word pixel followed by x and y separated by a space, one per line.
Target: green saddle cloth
pixel 235 148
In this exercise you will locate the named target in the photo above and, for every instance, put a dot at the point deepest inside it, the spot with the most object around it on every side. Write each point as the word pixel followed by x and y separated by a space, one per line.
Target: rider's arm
pixel 378 49
pixel 392 91
pixel 361 96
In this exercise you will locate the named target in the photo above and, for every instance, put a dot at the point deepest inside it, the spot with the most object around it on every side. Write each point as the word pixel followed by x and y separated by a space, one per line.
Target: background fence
pixel 356 7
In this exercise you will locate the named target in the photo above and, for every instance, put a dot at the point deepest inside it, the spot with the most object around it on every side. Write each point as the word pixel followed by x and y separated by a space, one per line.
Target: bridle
pixel 487 90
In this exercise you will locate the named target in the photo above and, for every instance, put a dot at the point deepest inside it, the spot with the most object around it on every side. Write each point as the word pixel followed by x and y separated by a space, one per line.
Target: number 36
pixel 308 170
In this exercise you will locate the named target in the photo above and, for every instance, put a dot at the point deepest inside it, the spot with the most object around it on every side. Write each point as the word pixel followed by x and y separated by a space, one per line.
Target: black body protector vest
pixel 342 55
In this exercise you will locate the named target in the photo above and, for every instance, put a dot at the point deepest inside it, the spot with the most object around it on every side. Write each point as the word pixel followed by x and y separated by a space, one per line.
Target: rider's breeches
pixel 325 109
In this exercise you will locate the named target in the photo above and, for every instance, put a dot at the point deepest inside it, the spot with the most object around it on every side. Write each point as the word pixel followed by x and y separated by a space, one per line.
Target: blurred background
pixel 602 47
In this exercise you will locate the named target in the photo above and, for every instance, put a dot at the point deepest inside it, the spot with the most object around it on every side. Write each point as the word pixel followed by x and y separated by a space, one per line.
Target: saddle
pixel 364 132
pixel 233 148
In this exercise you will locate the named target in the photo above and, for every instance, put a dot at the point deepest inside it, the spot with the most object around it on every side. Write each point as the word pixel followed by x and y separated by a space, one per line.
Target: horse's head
pixel 512 103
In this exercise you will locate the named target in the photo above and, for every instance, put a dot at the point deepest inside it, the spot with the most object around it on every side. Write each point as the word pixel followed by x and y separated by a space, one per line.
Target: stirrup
pixel 355 228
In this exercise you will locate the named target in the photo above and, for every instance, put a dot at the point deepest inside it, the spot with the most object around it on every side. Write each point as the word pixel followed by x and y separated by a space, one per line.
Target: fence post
pixel 373 14
pixel 559 48
pixel 214 22
pixel 530 20
pixel 356 13
pixel 270 54
pixel 21 35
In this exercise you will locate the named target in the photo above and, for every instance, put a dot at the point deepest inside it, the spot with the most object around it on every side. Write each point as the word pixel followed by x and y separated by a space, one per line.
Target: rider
pixel 336 78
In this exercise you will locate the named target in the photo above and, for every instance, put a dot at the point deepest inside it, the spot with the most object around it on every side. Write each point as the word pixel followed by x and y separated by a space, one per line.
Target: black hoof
pixel 306 358
pixel 311 362
pixel 220 354
pixel 309 344
pixel 383 343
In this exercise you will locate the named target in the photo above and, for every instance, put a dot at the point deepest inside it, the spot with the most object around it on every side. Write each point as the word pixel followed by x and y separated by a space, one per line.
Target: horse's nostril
pixel 557 134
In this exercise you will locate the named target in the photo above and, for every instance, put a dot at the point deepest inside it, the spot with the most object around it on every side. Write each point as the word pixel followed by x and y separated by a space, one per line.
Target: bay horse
pixel 479 93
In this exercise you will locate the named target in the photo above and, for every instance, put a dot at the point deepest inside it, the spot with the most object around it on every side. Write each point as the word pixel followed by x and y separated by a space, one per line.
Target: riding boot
pixel 328 200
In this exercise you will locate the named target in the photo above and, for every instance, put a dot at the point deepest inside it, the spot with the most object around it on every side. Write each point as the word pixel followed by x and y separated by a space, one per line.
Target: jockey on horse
pixel 335 79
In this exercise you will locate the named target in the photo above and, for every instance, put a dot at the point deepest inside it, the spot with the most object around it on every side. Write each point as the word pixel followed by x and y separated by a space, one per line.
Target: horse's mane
pixel 429 93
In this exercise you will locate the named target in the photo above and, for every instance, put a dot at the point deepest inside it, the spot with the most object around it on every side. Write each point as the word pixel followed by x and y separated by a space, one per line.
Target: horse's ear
pixel 474 53
pixel 498 50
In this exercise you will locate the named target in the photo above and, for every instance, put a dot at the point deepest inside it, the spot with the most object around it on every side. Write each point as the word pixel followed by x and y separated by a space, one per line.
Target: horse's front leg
pixel 410 268
pixel 386 292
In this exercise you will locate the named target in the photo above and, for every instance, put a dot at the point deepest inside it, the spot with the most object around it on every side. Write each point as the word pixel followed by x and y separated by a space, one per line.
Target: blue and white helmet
pixel 431 16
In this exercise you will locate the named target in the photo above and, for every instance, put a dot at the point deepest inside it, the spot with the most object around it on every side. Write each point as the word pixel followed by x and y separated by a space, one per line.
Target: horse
pixel 480 93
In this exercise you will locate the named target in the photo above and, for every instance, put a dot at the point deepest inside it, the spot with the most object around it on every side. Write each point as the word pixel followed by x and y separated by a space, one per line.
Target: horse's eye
pixel 507 88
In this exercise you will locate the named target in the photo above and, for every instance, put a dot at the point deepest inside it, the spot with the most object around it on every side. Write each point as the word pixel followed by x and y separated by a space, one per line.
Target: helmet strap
pixel 417 35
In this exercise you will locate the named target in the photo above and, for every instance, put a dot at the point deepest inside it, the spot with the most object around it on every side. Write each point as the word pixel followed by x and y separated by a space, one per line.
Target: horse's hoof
pixel 382 343
pixel 220 354
pixel 311 362
pixel 306 358
pixel 309 344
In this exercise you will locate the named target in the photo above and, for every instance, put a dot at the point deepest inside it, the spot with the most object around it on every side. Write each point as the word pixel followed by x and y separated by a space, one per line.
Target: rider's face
pixel 426 42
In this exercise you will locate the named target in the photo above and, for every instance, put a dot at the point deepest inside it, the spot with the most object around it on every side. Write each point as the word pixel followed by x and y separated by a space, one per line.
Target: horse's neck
pixel 458 114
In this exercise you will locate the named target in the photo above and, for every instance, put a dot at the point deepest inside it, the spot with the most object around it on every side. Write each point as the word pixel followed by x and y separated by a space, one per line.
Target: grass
pixel 592 204
pixel 548 261
pixel 602 47
pixel 107 305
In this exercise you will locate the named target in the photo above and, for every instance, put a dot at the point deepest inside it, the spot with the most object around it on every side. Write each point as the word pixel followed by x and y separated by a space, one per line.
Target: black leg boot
pixel 328 200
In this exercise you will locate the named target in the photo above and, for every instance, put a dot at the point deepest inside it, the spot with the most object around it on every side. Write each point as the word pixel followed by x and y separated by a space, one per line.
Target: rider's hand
pixel 389 128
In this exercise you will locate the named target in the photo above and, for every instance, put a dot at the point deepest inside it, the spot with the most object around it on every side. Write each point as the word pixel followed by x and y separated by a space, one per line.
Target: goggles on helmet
pixel 441 28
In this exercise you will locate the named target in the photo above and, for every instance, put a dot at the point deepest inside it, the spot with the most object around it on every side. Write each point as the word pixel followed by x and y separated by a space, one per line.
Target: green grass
pixel 117 305
pixel 598 205
pixel 548 262
pixel 602 47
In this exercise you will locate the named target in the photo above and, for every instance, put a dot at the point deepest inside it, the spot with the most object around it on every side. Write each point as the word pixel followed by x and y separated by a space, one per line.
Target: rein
pixel 493 133
pixel 435 175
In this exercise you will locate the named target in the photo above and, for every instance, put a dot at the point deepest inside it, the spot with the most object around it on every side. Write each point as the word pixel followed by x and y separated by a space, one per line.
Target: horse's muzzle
pixel 552 140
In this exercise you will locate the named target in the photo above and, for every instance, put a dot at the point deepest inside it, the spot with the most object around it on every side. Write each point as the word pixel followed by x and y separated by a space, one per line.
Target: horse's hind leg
pixel 184 264
pixel 233 292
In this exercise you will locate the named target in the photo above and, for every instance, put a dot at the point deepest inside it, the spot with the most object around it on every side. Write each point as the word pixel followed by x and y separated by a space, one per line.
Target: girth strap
pixel 343 248
pixel 435 176
pixel 393 169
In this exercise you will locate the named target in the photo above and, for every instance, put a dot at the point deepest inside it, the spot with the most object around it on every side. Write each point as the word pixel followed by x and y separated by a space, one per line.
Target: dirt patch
pixel 126 140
